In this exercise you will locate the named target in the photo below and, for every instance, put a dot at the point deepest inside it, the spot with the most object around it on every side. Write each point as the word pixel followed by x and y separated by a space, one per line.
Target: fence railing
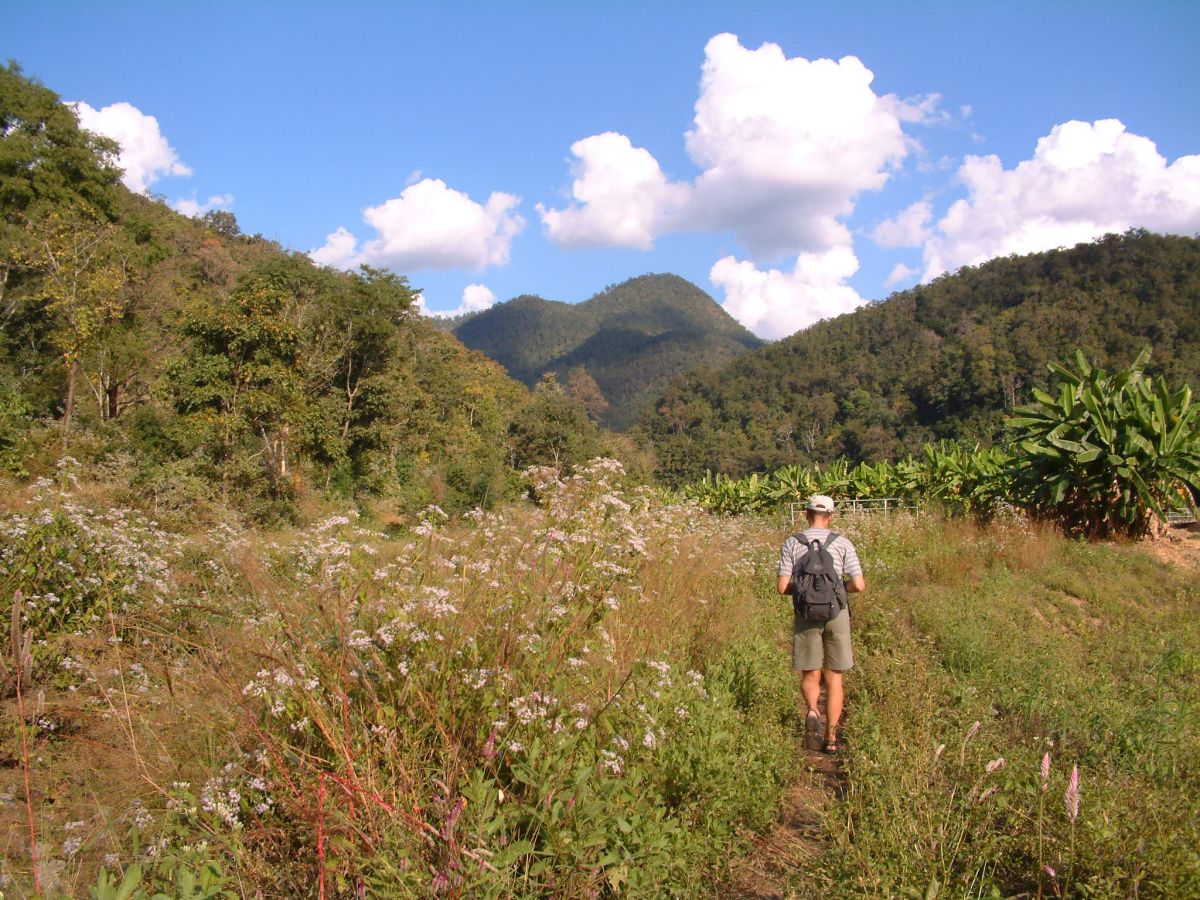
pixel 872 506
pixel 1181 516
pixel 885 505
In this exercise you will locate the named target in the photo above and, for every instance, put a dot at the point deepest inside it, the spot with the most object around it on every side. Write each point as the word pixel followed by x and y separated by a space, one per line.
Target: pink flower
pixel 995 765
pixel 971 732
pixel 1072 795
pixel 489 749
pixel 1045 771
pixel 1049 871
pixel 452 818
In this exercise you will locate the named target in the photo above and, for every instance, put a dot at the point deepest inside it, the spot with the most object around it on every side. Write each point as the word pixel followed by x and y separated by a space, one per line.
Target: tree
pixel 352 343
pixel 78 255
pixel 46 162
pixel 582 387
pixel 240 387
pixel 551 429
pixel 222 221
pixel 45 157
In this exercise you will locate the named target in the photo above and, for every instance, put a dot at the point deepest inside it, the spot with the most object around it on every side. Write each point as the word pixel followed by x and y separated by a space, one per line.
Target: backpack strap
pixel 843 598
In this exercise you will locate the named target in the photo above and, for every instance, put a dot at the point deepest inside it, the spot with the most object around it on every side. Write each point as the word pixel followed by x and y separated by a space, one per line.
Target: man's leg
pixel 834 700
pixel 838 658
pixel 810 687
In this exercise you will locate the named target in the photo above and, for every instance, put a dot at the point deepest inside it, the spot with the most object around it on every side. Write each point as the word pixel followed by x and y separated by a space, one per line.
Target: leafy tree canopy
pixel 943 360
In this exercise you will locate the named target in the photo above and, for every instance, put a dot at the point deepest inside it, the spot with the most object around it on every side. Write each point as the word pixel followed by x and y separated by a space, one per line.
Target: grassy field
pixel 583 696
pixel 577 697
pixel 994 664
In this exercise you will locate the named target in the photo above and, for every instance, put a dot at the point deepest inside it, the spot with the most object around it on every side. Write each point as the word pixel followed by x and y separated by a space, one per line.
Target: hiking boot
pixel 812 730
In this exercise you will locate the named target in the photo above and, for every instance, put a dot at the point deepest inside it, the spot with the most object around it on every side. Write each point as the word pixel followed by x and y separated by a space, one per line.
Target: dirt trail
pixel 798 837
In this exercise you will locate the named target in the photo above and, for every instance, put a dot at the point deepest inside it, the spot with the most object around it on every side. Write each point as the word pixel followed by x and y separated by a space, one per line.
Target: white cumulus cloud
pixel 621 196
pixel 146 156
pixel 1084 180
pixel 429 226
pixel 193 207
pixel 786 145
pixel 340 250
pixel 774 304
pixel 924 109
pixel 475 298
pixel 900 274
pixel 909 228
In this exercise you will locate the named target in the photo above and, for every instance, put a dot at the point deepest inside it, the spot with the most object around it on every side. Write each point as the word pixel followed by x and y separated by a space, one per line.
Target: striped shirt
pixel 845 557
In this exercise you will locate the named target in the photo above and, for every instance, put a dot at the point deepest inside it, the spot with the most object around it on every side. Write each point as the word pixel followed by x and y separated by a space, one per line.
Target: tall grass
pixel 581 696
pixel 584 695
pixel 995 664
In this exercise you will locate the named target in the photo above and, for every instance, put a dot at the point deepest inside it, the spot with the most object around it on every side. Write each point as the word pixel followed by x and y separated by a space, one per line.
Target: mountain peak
pixel 632 338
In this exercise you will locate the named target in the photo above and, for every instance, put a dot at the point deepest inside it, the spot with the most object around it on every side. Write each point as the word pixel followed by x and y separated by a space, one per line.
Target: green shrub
pixel 1109 454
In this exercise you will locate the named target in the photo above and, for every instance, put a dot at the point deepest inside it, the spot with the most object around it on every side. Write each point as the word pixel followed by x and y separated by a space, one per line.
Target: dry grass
pixel 160 696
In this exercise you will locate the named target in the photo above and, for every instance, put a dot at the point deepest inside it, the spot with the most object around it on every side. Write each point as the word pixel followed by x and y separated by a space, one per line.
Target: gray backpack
pixel 818 593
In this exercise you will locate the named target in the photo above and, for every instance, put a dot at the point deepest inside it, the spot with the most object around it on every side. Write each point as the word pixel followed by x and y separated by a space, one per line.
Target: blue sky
pixel 790 189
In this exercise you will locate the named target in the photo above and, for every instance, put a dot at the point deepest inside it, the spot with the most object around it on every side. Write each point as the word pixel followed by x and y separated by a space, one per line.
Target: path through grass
pixel 985 654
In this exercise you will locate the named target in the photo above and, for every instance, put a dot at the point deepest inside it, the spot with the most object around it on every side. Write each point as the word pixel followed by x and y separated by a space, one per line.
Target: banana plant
pixel 1107 453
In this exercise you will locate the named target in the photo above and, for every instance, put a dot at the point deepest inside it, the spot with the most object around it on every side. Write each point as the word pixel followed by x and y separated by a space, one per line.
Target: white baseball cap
pixel 820 503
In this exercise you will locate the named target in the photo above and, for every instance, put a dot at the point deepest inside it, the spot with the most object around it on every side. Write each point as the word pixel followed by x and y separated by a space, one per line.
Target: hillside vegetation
pixel 616 351
pixel 204 366
pixel 942 360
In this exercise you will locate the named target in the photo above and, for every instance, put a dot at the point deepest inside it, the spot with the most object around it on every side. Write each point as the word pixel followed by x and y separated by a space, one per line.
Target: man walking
pixel 821 647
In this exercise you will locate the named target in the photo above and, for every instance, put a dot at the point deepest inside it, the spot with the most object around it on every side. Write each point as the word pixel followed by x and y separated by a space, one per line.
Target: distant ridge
pixel 941 360
pixel 629 340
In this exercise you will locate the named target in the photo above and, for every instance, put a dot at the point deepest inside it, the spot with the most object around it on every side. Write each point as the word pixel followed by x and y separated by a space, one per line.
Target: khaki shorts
pixel 822 645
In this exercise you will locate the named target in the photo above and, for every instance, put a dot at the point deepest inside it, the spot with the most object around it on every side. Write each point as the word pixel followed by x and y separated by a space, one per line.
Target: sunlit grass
pixel 1080 651
pixel 587 695
pixel 573 697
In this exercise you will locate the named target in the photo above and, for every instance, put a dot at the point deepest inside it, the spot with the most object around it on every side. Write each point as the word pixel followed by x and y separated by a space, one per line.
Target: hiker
pixel 821 626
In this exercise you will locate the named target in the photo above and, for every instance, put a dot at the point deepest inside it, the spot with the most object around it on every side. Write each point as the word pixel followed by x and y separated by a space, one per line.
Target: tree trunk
pixel 113 401
pixel 5 311
pixel 69 402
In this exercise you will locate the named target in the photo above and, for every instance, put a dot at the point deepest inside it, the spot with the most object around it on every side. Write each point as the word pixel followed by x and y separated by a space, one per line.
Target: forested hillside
pixel 942 360
pixel 615 352
pixel 200 364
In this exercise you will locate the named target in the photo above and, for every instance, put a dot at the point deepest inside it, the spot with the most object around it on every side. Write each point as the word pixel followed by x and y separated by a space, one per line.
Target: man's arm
pixel 854 580
pixel 786 563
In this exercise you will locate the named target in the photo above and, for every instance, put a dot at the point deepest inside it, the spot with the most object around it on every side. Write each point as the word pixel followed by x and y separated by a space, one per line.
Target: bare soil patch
pixel 1178 547
pixel 796 840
